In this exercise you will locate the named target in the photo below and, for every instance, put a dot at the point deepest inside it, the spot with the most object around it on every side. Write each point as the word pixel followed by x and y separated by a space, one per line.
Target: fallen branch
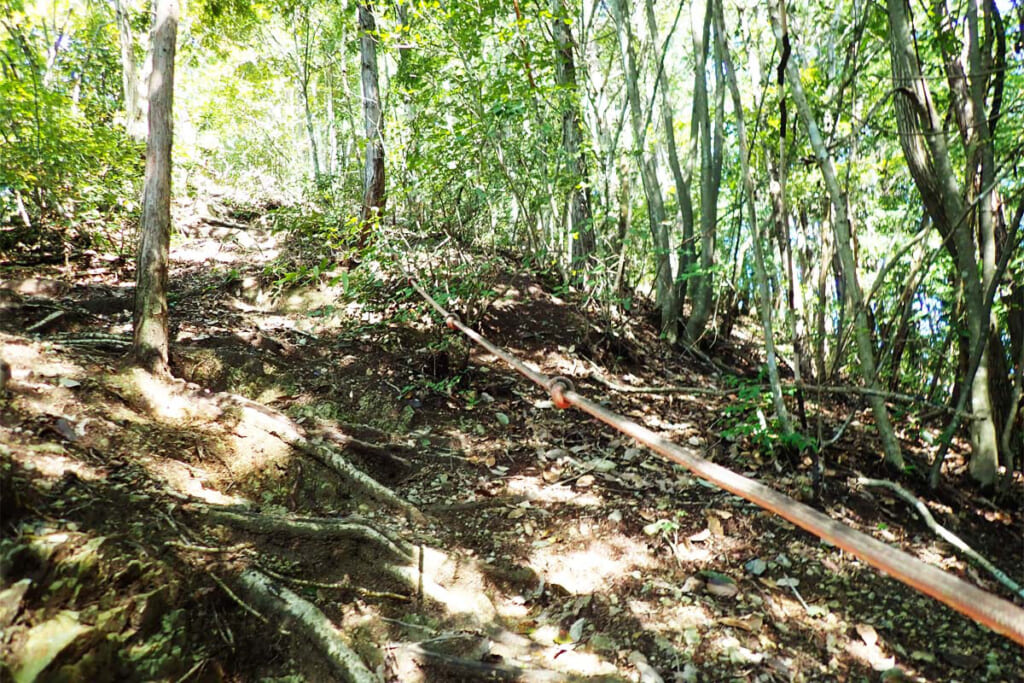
pixel 285 605
pixel 944 533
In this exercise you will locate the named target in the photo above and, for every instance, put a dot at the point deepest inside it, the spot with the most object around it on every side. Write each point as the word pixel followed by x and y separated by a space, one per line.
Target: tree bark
pixel 710 176
pixel 373 172
pixel 681 178
pixel 134 114
pixel 764 293
pixel 303 49
pixel 579 226
pixel 924 142
pixel 150 337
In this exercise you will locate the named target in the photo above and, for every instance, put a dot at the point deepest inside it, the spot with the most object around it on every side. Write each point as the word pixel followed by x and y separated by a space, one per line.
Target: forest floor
pixel 218 528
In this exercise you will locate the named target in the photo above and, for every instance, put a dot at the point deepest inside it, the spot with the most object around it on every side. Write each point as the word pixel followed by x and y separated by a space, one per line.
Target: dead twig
pixel 944 533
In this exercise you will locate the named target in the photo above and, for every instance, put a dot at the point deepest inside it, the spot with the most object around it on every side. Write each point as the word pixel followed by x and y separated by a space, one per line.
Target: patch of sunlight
pixel 733 650
pixel 870 653
pixel 582 663
pixel 536 492
pixel 29 365
pixel 182 478
pixel 54 465
pixel 251 448
pixel 682 616
pixel 567 367
pixel 592 568
pixel 165 399
pixel 559 657
pixel 687 552
pixel 204 251
pixel 461 595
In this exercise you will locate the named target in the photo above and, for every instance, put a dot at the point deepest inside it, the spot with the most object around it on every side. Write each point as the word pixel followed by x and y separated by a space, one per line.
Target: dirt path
pixel 338 488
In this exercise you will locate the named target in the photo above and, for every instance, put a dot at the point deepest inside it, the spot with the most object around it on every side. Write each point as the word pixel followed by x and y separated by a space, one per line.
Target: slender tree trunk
pixel 924 142
pixel 710 176
pixel 664 281
pixel 681 178
pixel 373 173
pixel 764 292
pixel 579 227
pixel 331 161
pixel 854 294
pixel 303 50
pixel 135 117
pixel 150 319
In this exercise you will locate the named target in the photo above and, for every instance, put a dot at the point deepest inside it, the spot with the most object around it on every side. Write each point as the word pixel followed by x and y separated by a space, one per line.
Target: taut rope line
pixel 1002 616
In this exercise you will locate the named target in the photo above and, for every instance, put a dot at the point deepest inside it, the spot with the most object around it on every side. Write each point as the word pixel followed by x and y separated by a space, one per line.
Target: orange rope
pixel 1002 616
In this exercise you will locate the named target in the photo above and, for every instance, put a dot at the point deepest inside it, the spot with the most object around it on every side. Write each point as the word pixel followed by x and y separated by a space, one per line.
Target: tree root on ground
pixel 308 527
pixel 282 604
pixel 356 478
pixel 285 429
pixel 415 567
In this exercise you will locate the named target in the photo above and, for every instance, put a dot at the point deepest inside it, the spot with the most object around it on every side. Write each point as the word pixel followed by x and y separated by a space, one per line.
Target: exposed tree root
pixel 281 603
pixel 406 660
pixel 278 424
pixel 356 478
pixel 381 452
pixel 413 567
pixel 308 527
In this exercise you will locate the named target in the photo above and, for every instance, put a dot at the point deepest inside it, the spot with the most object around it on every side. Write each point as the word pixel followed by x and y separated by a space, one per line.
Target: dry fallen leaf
pixel 715 526
pixel 867 633
pixel 751 622
pixel 701 536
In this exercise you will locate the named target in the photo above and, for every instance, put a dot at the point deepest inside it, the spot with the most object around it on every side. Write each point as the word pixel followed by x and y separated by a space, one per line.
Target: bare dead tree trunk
pixel 373 173
pixel 150 319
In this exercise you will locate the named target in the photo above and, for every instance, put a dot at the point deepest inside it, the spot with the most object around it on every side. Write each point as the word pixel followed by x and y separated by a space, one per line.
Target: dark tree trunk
pixel 580 229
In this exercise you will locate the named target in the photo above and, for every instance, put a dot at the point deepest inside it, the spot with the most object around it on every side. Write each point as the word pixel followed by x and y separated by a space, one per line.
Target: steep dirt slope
pixel 333 454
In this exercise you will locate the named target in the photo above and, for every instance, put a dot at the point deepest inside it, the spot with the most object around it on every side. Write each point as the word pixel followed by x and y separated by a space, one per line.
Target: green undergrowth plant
pixel 750 419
